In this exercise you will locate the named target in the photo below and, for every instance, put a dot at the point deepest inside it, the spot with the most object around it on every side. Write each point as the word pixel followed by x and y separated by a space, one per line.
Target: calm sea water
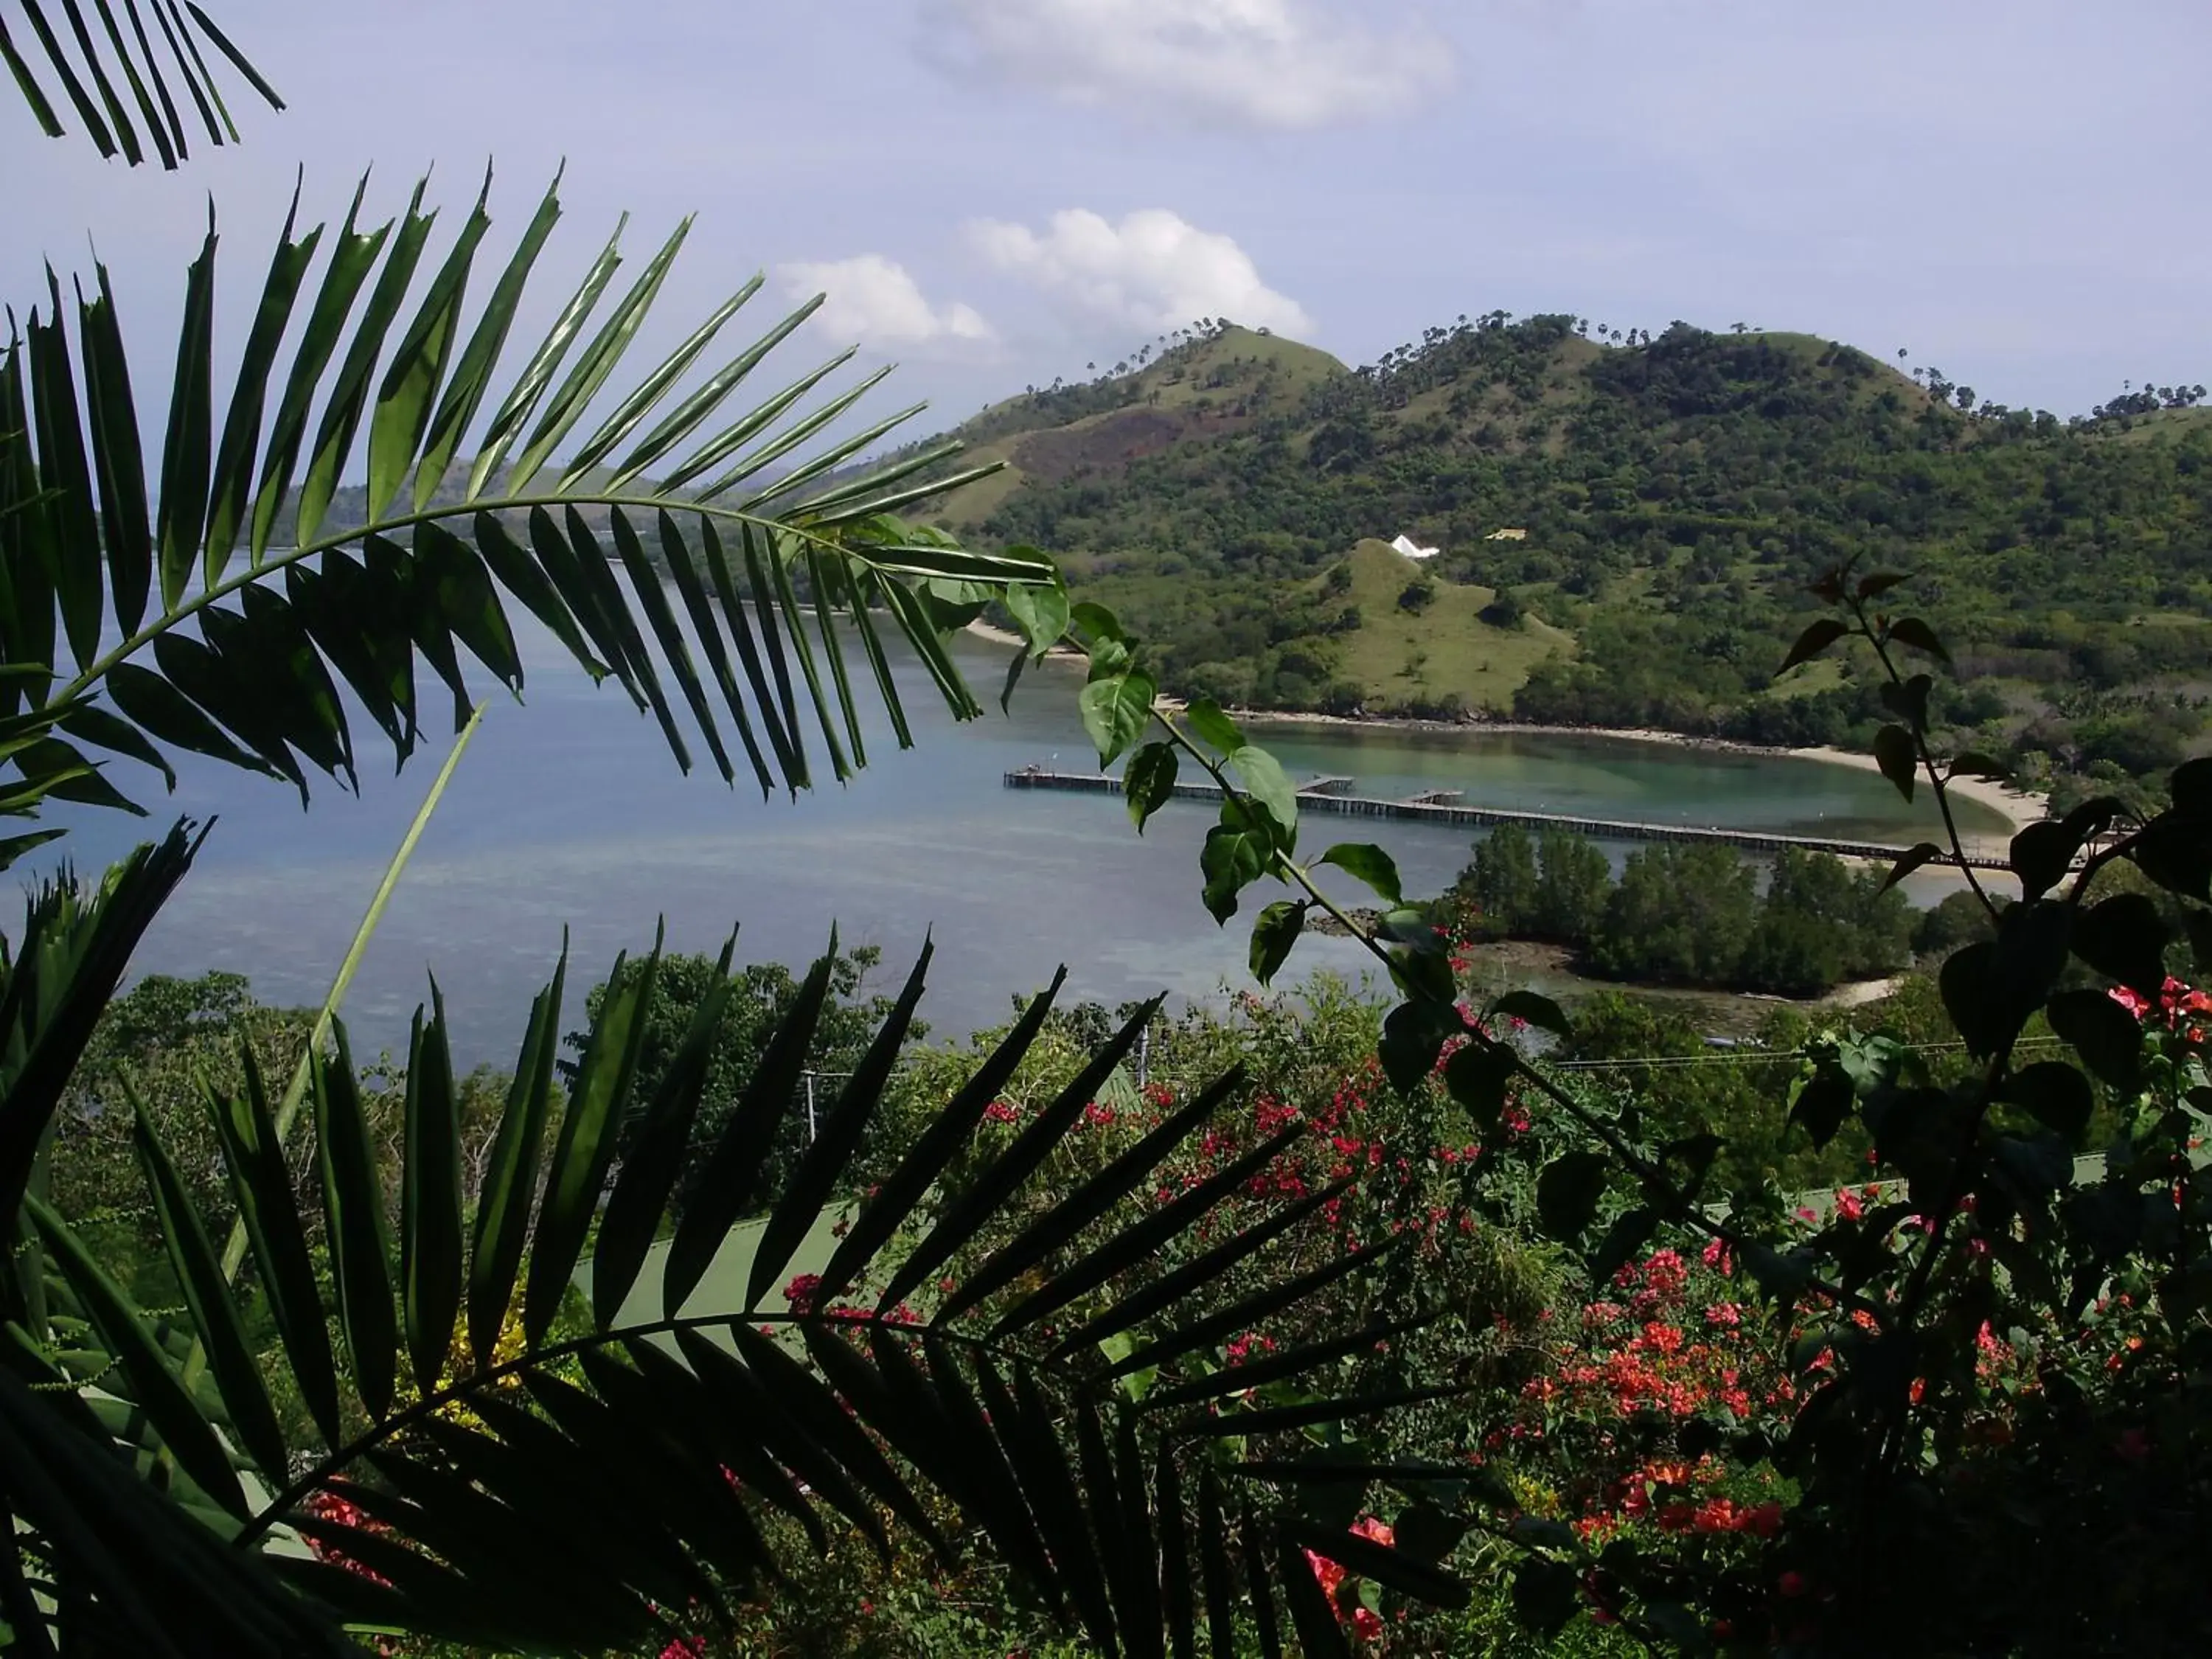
pixel 569 812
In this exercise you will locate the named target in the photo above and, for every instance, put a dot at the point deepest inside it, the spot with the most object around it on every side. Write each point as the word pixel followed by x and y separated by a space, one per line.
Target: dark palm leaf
pixel 114 65
pixel 693 1415
pixel 240 617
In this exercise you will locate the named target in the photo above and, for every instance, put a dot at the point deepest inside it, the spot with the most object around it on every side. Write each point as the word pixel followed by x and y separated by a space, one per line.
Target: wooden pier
pixel 1443 807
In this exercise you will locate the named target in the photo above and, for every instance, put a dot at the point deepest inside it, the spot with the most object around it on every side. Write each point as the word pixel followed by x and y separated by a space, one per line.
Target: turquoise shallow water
pixel 568 810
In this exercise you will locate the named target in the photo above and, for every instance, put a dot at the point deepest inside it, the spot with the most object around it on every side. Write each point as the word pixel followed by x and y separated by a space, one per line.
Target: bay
pixel 568 817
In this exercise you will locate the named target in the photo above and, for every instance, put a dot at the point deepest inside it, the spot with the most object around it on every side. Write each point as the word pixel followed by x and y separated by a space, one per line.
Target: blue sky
pixel 997 191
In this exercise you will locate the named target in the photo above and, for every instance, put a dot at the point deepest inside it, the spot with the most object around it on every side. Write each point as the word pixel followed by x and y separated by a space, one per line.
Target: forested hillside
pixel 1678 492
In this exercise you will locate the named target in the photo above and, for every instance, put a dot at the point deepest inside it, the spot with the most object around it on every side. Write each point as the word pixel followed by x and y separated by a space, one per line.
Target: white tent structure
pixel 1414 550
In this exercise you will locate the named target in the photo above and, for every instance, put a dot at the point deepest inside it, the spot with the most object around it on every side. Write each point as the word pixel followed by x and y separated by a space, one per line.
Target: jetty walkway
pixel 1444 806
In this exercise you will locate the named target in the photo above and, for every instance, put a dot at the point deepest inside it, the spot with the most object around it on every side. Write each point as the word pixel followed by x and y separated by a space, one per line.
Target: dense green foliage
pixel 1678 497
pixel 1923 1412
pixel 750 1014
pixel 1691 913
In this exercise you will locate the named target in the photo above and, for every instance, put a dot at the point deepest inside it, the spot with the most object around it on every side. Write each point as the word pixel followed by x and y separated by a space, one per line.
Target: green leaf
pixel 242 428
pixel 1913 857
pixel 214 1312
pixel 1919 636
pixel 1214 727
pixel 1812 642
pixel 1041 613
pixel 1145 1238
pixel 348 397
pixel 2124 938
pixel 1414 1035
pixel 836 1142
pixel 574 395
pixel 1369 864
pixel 185 449
pixel 1148 781
pixel 1116 711
pixel 1538 1010
pixel 2042 853
pixel 1231 860
pixel 93 724
pixel 1057 1227
pixel 731 1177
pixel 154 1385
pixel 353 1213
pixel 1265 780
pixel 1908 700
pixel 430 1228
pixel 2190 788
pixel 472 376
pixel 1898 755
pixel 586 1146
pixel 1567 1193
pixel 1478 1076
pixel 639 1203
pixel 918 1171
pixel 125 521
pixel 1622 1242
pixel 522 398
pixel 1096 621
pixel 351 260
pixel 2055 1095
pixel 1822 1103
pixel 1274 935
pixel 2102 1032
pixel 510 1182
pixel 1876 583
pixel 261 1184
pixel 984 1197
pixel 1969 982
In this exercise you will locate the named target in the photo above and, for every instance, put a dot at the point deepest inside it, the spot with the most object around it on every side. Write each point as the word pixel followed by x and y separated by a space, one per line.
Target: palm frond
pixel 86 66
pixel 642 1446
pixel 232 596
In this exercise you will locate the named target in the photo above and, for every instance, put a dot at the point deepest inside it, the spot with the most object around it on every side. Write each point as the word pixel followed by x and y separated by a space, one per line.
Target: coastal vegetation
pixel 1687 915
pixel 1676 491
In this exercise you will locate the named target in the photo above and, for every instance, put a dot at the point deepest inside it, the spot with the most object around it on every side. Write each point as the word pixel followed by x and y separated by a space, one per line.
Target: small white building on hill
pixel 1414 550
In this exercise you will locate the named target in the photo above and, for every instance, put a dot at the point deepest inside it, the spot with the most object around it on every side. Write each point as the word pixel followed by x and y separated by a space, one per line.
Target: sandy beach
pixel 2018 807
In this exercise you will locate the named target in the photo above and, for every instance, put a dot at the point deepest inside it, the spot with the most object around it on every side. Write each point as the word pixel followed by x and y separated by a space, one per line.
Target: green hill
pixel 1677 494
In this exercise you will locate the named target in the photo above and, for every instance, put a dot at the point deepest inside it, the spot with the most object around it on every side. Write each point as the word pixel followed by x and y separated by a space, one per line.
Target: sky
pixel 996 192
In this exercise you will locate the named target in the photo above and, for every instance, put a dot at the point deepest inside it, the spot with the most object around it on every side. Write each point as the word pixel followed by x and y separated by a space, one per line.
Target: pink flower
pixel 1379 1531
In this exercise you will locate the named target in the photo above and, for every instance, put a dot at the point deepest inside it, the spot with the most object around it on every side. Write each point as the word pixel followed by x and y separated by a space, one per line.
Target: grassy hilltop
pixel 1678 492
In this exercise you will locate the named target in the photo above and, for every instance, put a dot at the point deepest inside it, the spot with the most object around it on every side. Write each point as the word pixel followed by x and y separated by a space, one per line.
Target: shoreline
pixel 2017 807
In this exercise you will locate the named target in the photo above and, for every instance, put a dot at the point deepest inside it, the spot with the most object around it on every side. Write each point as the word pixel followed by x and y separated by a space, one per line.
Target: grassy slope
pixel 1680 497
pixel 1446 649
pixel 1196 386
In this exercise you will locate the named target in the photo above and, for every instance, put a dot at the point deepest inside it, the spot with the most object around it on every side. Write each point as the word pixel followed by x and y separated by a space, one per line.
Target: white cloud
pixel 1154 270
pixel 1250 63
pixel 875 301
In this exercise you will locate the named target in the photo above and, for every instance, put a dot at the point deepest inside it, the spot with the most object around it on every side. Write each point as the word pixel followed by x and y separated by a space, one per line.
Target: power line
pixel 1789 1057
